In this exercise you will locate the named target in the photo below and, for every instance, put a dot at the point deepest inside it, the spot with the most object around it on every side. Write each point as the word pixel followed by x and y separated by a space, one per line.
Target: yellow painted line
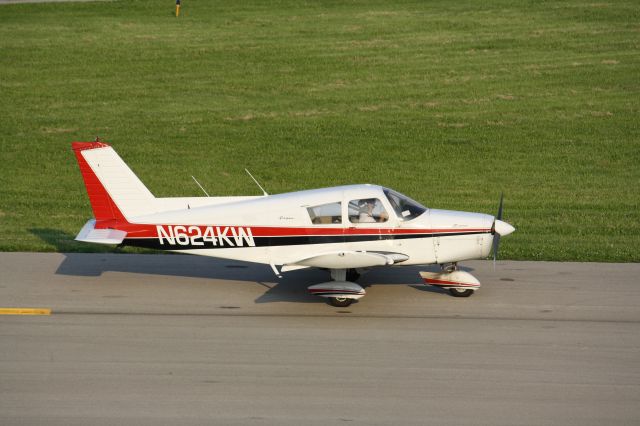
pixel 25 311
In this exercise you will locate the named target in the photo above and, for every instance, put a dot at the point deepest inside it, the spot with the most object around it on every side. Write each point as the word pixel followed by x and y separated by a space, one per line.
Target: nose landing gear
pixel 460 292
pixel 459 283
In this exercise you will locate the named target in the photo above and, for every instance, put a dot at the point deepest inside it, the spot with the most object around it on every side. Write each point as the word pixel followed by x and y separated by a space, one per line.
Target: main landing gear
pixel 341 291
pixel 340 302
pixel 352 275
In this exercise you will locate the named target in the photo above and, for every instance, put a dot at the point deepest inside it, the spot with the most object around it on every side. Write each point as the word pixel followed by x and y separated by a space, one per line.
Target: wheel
pixel 461 292
pixel 449 267
pixel 340 302
pixel 352 275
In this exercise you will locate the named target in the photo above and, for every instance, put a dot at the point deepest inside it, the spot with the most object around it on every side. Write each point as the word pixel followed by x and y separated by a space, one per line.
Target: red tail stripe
pixel 104 209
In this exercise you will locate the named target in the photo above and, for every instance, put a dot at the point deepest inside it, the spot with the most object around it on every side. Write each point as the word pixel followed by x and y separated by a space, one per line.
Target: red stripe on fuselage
pixel 135 230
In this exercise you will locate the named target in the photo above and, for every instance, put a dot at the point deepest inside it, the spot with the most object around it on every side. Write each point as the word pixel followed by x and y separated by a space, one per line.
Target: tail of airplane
pixel 115 192
pixel 118 197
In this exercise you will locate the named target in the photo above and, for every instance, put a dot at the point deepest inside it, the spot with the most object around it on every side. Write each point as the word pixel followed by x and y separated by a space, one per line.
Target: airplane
pixel 344 229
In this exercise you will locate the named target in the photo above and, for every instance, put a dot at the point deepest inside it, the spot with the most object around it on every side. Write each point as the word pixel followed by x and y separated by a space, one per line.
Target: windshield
pixel 405 207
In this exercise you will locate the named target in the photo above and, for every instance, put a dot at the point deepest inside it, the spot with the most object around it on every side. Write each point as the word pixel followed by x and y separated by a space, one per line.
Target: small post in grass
pixel 177 8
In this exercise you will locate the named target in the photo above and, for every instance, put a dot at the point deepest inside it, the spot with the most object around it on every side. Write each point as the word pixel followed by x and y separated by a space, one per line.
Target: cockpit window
pixel 326 213
pixel 405 207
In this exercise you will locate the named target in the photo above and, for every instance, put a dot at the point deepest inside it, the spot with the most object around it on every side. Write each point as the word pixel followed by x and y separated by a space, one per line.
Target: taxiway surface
pixel 159 339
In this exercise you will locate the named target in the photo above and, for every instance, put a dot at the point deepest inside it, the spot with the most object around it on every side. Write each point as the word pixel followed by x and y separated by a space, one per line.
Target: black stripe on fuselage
pixel 154 243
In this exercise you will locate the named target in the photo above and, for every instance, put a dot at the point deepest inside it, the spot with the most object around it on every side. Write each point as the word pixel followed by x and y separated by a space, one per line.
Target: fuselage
pixel 284 228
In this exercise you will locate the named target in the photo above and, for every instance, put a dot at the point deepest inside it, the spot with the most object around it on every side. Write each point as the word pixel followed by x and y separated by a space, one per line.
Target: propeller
pixel 499 229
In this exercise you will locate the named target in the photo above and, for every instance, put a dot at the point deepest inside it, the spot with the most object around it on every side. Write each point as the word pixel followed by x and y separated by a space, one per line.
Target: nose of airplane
pixel 503 228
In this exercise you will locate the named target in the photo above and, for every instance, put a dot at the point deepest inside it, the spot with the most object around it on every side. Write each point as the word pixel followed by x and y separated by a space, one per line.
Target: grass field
pixel 449 102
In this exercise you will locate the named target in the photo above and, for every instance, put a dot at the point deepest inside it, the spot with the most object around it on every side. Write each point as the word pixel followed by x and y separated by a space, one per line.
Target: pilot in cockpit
pixel 366 211
pixel 371 210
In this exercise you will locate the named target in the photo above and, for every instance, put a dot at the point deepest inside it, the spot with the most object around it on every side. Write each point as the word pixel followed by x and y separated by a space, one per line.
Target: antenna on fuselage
pixel 200 186
pixel 254 179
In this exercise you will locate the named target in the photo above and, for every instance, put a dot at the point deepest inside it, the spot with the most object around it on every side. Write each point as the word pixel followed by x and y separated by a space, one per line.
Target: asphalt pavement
pixel 169 339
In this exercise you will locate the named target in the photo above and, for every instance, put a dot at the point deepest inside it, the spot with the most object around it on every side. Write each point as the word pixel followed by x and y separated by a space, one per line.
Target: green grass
pixel 449 102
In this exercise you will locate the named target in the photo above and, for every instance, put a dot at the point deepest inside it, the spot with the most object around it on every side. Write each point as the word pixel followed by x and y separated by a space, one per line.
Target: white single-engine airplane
pixel 345 229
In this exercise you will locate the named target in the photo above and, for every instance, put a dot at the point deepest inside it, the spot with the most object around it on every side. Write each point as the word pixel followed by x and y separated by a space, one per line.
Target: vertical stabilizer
pixel 115 192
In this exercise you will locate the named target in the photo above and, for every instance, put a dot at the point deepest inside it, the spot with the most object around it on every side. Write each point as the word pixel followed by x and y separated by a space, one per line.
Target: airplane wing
pixel 347 260
pixel 90 234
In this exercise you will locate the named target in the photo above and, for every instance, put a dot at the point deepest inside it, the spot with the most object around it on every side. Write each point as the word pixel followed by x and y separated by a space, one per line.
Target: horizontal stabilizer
pixel 349 259
pixel 89 234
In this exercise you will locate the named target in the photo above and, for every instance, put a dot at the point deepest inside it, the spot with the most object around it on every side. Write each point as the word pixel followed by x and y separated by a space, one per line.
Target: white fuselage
pixel 259 229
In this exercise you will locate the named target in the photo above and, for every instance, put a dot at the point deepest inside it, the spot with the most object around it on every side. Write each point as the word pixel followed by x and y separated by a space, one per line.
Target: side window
pixel 326 213
pixel 367 210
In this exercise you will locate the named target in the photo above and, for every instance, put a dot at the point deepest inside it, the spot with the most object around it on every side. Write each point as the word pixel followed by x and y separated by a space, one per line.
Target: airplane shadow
pixel 292 287
pixel 64 242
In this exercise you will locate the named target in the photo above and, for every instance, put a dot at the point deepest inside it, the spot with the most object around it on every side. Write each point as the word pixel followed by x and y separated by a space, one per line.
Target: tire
pixel 461 292
pixel 340 302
